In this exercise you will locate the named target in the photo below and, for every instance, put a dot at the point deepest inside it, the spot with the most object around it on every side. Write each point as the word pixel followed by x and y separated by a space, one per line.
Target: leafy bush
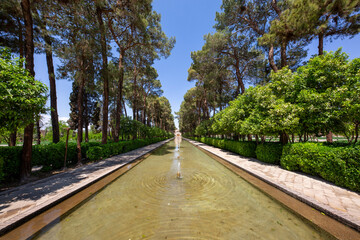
pixel 340 165
pixel 94 153
pixel 52 156
pixel 246 149
pixel 269 152
pixel 9 163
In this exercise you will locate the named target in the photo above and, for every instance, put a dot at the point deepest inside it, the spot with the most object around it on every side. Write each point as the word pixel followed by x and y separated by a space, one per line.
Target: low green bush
pixel 94 153
pixel 52 156
pixel 269 152
pixel 340 165
pixel 9 163
pixel 246 149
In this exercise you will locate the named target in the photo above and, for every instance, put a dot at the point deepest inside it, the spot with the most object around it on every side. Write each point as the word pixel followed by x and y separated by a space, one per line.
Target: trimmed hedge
pixel 269 152
pixel 337 163
pixel 340 165
pixel 52 156
pixel 246 149
pixel 9 163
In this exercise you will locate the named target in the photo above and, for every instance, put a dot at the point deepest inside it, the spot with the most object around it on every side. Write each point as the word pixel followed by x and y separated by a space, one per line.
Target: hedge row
pixel 337 163
pixel 340 165
pixel 246 149
pixel 51 156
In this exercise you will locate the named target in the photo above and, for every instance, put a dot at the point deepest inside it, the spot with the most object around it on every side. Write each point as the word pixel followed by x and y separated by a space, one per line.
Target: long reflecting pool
pixel 179 192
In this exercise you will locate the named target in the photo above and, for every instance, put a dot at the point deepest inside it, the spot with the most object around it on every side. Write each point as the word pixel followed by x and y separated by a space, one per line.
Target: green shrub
pixel 10 163
pixel 94 153
pixel 269 152
pixel 246 149
pixel 52 156
pixel 340 165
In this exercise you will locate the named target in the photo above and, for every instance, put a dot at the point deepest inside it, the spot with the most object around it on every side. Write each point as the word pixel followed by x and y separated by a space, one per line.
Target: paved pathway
pixel 20 202
pixel 337 202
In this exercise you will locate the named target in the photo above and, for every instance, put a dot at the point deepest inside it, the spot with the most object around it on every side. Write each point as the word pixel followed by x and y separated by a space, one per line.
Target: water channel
pixel 179 192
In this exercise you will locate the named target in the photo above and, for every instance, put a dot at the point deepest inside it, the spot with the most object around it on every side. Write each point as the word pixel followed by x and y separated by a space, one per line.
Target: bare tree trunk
pixel 51 73
pixel 134 96
pixel 53 97
pixel 38 132
pixel 356 131
pixel 284 138
pixel 119 97
pixel 271 59
pixel 249 137
pixel 12 141
pixel 105 76
pixel 80 108
pixel 329 137
pixel 25 165
pixel 123 102
pixel 283 54
pixel 86 120
pixel 239 79
pixel 321 43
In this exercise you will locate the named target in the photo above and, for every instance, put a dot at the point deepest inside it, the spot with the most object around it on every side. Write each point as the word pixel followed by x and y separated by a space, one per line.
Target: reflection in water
pixel 210 202
pixel 177 140
pixel 177 155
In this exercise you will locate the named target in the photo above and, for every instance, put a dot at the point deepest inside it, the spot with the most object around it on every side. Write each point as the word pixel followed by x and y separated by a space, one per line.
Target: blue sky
pixel 188 21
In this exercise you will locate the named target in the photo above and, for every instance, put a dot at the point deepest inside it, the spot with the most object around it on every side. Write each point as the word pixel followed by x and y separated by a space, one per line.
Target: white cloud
pixel 46 120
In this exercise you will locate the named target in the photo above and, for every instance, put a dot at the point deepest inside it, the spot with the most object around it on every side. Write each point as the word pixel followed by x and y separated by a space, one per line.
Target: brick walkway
pixel 337 202
pixel 19 203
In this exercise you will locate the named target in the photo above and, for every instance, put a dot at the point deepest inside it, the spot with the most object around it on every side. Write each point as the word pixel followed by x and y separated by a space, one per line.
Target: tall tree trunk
pixel 21 42
pixel 329 136
pixel 271 59
pixel 249 137
pixel 53 97
pixel 123 103
pixel 105 76
pixel 80 109
pixel 134 96
pixel 143 114
pixel 119 96
pixel 356 131
pixel 284 138
pixel 321 43
pixel 283 53
pixel 12 141
pixel 86 118
pixel 38 132
pixel 25 165
pixel 239 79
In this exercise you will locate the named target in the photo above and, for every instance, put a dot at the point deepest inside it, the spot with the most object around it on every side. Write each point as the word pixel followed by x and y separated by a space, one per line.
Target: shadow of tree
pixel 51 185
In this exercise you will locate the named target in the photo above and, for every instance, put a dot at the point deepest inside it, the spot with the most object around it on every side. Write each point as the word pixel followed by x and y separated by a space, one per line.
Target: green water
pixel 209 202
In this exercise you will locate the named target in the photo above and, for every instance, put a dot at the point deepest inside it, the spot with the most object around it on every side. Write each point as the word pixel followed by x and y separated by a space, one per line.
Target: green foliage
pixel 51 157
pixel 246 149
pixel 94 153
pixel 340 165
pixel 320 97
pixel 269 152
pixel 204 128
pixel 9 163
pixel 21 96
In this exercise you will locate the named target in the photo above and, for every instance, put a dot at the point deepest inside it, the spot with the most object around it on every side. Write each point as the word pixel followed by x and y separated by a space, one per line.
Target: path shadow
pixel 47 186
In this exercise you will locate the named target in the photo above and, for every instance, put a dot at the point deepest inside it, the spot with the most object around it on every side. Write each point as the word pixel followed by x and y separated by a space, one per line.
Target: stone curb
pixel 339 216
pixel 18 219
